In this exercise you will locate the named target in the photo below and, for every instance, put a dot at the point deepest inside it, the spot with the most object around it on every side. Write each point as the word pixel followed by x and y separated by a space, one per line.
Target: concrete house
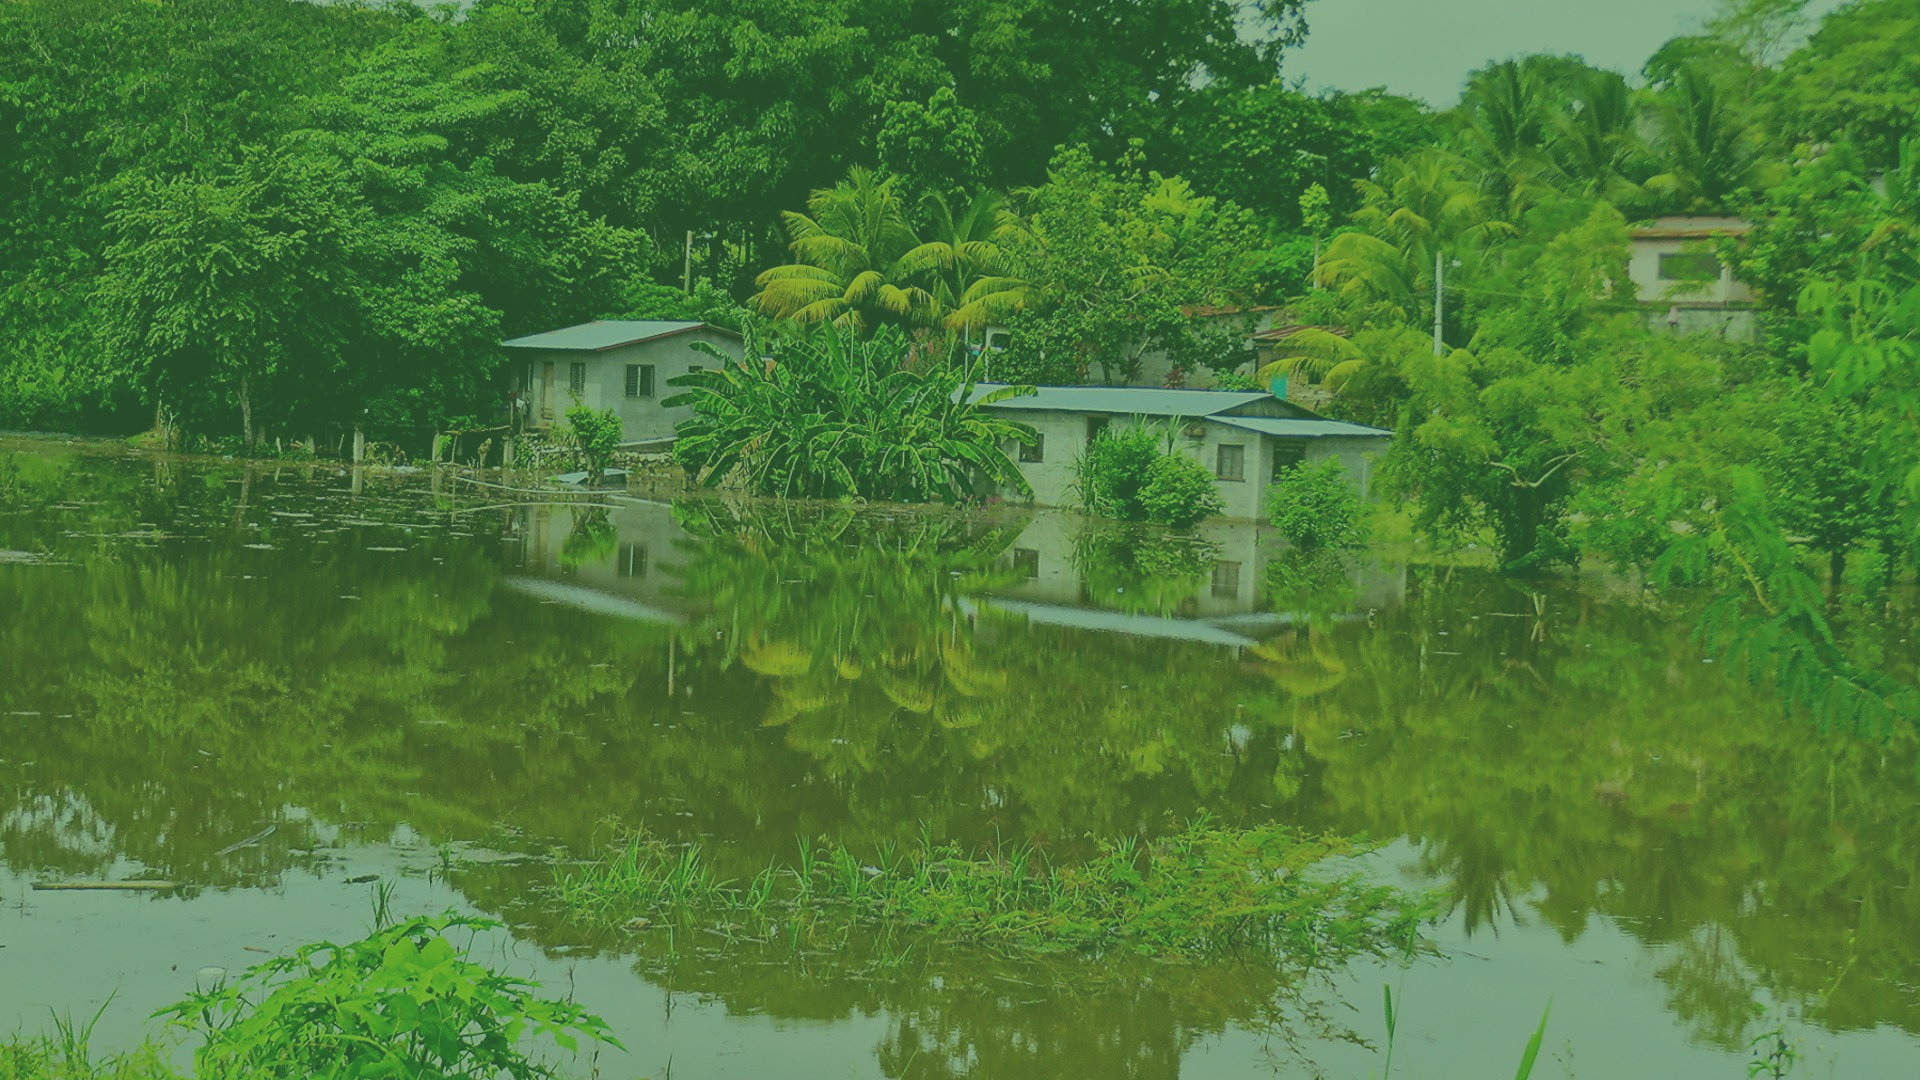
pixel 1681 281
pixel 617 364
pixel 1247 440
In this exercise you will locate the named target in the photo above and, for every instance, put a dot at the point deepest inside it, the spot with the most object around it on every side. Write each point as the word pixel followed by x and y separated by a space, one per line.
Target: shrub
pixel 597 434
pixel 404 1002
pixel 1316 507
pixel 1179 492
pixel 1110 473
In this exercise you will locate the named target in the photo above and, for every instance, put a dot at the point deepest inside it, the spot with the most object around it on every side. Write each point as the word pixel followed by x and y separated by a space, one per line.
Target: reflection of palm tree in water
pixel 855 618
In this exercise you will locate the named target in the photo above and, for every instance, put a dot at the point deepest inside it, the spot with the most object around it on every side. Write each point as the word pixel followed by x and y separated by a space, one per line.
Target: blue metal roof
pixel 604 334
pixel 1128 400
pixel 1299 429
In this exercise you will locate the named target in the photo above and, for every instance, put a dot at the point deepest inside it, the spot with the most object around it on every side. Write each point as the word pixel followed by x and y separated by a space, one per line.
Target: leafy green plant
pixel 823 414
pixel 597 435
pixel 1316 506
pixel 1108 475
pixel 62 1058
pixel 403 1002
pixel 1128 474
pixel 1179 492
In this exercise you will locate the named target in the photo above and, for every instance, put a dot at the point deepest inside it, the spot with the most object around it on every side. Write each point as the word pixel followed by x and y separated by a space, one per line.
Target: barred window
pixel 1036 452
pixel 577 378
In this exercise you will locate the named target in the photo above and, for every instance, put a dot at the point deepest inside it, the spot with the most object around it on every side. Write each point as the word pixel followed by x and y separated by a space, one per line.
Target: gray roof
pixel 1297 429
pixel 1130 400
pixel 1187 404
pixel 604 334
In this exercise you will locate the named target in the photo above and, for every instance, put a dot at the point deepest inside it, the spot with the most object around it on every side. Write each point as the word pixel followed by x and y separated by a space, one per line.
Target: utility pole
pixel 1439 300
pixel 686 272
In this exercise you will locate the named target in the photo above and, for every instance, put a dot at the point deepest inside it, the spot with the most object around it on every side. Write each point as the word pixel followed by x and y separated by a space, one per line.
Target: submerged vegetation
pixel 1203 892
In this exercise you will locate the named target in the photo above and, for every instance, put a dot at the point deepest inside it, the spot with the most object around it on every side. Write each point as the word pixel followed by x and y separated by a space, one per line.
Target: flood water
pixel 419 679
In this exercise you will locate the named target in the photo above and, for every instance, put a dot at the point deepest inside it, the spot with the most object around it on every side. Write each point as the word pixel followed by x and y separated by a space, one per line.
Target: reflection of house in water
pixel 616 560
pixel 1075 578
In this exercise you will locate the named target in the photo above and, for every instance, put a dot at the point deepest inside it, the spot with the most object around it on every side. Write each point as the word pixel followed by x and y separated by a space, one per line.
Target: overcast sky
pixel 1426 47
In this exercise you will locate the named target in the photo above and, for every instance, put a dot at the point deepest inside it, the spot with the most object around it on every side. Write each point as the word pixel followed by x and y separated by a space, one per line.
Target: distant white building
pixel 622 365
pixel 1682 282
pixel 1246 440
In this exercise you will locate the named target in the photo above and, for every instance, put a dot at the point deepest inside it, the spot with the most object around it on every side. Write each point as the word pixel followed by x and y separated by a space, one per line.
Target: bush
pixel 1109 475
pixel 1179 492
pixel 597 434
pixel 404 1002
pixel 1316 507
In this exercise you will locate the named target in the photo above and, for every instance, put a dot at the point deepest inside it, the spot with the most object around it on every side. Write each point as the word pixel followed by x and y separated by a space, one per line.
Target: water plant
pixel 405 1001
pixel 1204 891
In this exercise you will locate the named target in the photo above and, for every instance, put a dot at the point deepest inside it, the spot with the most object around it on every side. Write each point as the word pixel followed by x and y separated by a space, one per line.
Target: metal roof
pixel 605 334
pixel 1128 400
pixel 1299 429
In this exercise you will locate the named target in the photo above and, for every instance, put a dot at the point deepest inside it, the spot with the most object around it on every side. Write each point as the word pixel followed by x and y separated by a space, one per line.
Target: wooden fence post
pixel 359 444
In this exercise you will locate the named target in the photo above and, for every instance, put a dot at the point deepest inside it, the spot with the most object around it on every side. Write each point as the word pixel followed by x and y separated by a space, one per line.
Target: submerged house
pixel 1682 281
pixel 618 364
pixel 1246 439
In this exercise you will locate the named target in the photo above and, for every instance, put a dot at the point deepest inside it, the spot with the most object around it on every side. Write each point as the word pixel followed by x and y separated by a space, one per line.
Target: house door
pixel 546 390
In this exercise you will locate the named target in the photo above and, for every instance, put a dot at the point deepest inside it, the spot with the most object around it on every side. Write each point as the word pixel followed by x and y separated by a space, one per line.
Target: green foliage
pixel 1142 570
pixel 934 148
pixel 1128 474
pixel 597 435
pixel 1317 506
pixel 1205 891
pixel 824 414
pixel 1115 256
pixel 1179 492
pixel 404 1001
pixel 63 1059
pixel 1109 473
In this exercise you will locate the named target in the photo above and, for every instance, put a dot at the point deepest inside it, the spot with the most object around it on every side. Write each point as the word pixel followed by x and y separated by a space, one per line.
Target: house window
pixel 526 380
pixel 1027 560
pixel 1690 266
pixel 1232 463
pixel 633 560
pixel 1034 453
pixel 996 341
pixel 1096 425
pixel 577 379
pixel 1226 580
pixel 1288 455
pixel 639 380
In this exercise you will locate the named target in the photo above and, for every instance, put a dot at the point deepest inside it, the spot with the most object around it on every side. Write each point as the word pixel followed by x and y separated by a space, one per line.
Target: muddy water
pixel 409 678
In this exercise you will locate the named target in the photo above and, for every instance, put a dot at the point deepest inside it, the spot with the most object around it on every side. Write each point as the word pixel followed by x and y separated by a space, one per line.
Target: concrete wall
pixel 643 418
pixel 1643 267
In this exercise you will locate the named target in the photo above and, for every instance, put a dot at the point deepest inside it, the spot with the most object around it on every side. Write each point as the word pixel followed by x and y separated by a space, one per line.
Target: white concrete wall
pixel 1643 267
pixel 641 418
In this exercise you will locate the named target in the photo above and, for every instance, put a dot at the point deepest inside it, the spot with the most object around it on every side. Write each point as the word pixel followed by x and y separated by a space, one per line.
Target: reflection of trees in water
pixel 1142 569
pixel 1578 765
pixel 1595 767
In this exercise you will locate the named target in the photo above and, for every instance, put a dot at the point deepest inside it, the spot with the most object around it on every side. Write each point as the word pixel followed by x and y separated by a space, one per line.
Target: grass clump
pixel 1205 891
pixel 60 1058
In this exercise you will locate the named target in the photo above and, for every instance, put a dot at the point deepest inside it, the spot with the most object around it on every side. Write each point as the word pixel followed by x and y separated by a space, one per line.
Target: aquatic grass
pixel 1203 891
pixel 59 1058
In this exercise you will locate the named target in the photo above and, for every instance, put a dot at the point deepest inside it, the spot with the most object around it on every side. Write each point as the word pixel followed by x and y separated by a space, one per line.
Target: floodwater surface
pixel 269 684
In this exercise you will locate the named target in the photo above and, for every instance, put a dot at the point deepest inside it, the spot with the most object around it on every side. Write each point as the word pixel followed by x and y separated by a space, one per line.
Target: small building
pixel 622 365
pixel 1682 282
pixel 1247 440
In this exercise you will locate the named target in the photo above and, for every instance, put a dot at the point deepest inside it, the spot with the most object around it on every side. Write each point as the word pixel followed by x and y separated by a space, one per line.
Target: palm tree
pixel 1596 146
pixel 1706 145
pixel 975 282
pixel 857 262
pixel 1506 116
pixel 1422 207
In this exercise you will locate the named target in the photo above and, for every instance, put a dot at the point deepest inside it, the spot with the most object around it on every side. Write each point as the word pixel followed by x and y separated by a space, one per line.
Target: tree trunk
pixel 1836 568
pixel 246 412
